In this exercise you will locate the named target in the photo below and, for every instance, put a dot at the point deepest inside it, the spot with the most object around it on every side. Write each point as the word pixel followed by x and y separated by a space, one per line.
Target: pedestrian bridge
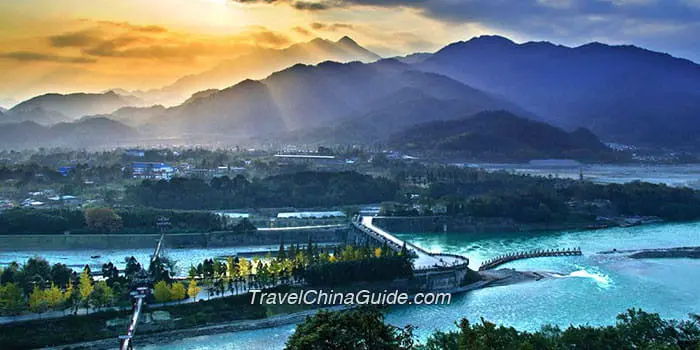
pixel 500 260
pixel 424 259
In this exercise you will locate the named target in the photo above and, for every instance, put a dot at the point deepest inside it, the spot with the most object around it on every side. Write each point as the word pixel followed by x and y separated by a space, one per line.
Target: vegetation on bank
pixel 302 189
pixel 108 220
pixel 365 329
pixel 530 199
pixel 37 286
pixel 111 324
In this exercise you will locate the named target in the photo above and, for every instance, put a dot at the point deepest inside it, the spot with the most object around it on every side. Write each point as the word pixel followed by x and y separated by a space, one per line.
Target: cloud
pixel 125 40
pixel 303 31
pixel 297 4
pixel 331 27
pixel 659 24
pixel 29 56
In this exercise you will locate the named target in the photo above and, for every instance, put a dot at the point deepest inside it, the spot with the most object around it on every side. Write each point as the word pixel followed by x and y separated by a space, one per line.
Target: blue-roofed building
pixel 65 170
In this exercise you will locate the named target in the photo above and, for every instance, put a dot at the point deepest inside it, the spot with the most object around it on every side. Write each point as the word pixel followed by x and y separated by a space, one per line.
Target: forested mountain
pixel 499 135
pixel 622 93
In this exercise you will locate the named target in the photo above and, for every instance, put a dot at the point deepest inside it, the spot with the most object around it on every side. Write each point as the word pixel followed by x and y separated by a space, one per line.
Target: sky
pixel 96 45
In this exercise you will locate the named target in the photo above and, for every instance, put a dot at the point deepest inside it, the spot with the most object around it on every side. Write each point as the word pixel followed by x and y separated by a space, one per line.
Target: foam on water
pixel 601 279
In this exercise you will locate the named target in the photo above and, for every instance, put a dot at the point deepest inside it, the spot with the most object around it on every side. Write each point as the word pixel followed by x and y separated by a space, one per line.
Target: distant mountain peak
pixel 346 40
pixel 491 40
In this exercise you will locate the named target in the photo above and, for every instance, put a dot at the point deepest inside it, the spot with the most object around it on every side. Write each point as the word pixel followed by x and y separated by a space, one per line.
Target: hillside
pixel 302 100
pixel 258 65
pixel 499 135
pixel 622 93
pixel 93 132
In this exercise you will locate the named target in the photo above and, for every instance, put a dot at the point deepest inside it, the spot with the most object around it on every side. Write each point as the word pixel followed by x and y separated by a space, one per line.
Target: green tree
pixel 161 292
pixel 54 296
pixel 103 295
pixel 177 291
pixel 37 302
pixel 11 298
pixel 103 220
pixel 362 329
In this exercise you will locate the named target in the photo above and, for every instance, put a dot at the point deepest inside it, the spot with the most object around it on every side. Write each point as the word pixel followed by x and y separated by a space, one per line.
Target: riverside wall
pixel 29 242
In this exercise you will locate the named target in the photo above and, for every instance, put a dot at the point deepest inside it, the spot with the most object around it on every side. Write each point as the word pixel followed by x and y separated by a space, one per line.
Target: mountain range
pixel 56 108
pixel 257 65
pixel 621 93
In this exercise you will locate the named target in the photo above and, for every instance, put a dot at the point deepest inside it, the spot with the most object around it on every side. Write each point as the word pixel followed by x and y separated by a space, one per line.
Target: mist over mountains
pixel 258 65
pixel 55 108
pixel 621 93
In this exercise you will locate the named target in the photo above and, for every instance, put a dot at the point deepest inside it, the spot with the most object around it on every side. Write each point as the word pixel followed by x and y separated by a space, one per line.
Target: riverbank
pixel 658 253
pixel 491 278
pixel 261 237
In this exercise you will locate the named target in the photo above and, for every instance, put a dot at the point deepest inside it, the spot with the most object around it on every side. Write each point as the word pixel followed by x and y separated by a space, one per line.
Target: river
pixel 593 289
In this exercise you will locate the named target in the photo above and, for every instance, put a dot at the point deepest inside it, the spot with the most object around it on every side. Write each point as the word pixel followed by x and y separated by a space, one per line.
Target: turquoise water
pixel 592 289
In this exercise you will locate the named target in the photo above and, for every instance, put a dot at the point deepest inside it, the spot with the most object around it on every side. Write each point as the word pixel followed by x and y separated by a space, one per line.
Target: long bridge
pixel 424 260
pixel 502 259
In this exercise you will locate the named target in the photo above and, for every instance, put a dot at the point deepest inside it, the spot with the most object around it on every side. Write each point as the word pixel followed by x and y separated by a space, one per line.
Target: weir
pixel 502 259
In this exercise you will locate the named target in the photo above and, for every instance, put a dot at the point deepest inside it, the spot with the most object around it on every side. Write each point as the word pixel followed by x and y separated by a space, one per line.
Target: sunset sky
pixel 95 45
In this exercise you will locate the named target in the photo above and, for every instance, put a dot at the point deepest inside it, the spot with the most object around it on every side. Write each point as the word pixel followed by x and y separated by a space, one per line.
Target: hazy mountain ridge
pixel 54 108
pixel 623 93
pixel 386 95
pixel 257 65
pixel 92 132
pixel 498 135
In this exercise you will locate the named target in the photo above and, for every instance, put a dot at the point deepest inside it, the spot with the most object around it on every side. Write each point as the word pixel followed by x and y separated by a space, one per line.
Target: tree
pixel 281 251
pixel 11 298
pixel 358 329
pixel 378 252
pixel 161 292
pixel 35 272
pixel 86 288
pixel 54 296
pixel 9 274
pixel 103 220
pixel 103 295
pixel 71 296
pixel 193 290
pixel 177 291
pixel 60 275
pixel 37 302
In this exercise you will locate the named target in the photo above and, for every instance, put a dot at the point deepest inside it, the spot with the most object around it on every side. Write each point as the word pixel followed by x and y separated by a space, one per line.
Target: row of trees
pixel 104 220
pixel 333 266
pixel 37 286
pixel 302 189
pixel 366 329
pixel 548 200
pixel 79 290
